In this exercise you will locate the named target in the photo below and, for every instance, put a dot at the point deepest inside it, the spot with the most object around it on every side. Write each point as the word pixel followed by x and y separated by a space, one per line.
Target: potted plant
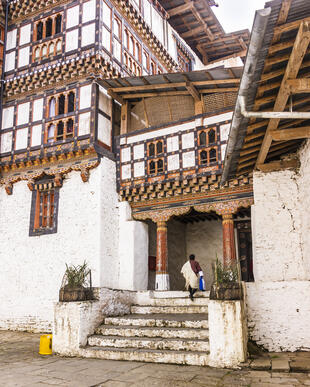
pixel 227 285
pixel 73 284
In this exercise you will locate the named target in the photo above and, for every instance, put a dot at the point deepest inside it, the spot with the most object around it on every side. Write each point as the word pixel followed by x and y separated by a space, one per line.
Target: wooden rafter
pixel 278 165
pixel 292 68
pixel 290 134
pixel 181 9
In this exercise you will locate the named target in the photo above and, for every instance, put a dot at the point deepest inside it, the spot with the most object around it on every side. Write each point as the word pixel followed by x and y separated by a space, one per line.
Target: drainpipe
pixel 253 55
pixel 3 63
pixel 281 115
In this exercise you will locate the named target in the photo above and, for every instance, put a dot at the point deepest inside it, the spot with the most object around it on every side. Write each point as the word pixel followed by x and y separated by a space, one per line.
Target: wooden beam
pixel 278 165
pixel 177 84
pixel 177 92
pixel 118 98
pixel 298 52
pixel 181 9
pixel 207 30
pixel 125 117
pixel 193 91
pixel 286 5
pixel 291 26
pixel 235 55
pixel 290 134
pixel 192 32
pixel 300 85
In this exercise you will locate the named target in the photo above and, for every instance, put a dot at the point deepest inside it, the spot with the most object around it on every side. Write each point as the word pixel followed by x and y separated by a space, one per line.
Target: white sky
pixel 237 15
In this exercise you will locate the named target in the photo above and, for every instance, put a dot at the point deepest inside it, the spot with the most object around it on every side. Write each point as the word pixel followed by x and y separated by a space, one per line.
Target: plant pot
pixel 69 294
pixel 226 291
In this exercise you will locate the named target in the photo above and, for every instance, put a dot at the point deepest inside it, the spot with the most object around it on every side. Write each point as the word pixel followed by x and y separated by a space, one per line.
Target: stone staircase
pixel 166 327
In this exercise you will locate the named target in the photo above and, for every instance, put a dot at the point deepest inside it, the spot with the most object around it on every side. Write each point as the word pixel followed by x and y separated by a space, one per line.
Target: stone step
pixel 148 309
pixel 139 331
pixel 149 343
pixel 177 294
pixel 147 355
pixel 198 301
pixel 161 320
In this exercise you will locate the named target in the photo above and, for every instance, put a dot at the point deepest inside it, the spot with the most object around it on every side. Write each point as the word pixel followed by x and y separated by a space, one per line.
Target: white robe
pixel 189 275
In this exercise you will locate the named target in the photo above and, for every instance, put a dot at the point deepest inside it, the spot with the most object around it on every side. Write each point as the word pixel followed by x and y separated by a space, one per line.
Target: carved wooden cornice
pixel 222 208
pixel 55 169
pixel 163 215
pixel 181 188
pixel 59 74
pixel 225 208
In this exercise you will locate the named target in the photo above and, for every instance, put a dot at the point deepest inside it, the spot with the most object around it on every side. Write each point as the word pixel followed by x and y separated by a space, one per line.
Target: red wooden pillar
pixel 162 276
pixel 229 247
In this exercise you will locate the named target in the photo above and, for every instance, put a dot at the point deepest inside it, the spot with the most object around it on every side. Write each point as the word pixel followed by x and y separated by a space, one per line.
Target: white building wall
pixel 278 301
pixel 33 267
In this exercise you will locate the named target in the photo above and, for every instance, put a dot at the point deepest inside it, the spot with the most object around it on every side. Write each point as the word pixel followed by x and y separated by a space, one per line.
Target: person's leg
pixel 191 292
pixel 194 291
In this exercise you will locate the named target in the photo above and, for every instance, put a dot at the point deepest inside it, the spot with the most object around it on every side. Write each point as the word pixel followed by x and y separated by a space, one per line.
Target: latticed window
pixel 156 166
pixel 211 136
pixel 48 27
pixel 44 208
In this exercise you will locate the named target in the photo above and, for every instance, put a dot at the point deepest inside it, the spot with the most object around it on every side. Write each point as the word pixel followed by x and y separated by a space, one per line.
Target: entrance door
pixel 245 250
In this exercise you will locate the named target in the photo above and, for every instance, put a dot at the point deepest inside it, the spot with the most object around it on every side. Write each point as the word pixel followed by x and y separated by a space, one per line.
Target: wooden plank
pixel 300 85
pixel 207 30
pixel 280 46
pixel 278 165
pixel 181 9
pixel 193 91
pixel 292 68
pixel 235 55
pixel 286 5
pixel 291 26
pixel 290 134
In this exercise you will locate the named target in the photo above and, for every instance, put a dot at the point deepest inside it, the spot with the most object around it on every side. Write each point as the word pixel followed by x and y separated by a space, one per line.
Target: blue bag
pixel 202 284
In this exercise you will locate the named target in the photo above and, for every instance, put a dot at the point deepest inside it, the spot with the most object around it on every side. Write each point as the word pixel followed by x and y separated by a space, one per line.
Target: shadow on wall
pixel 204 239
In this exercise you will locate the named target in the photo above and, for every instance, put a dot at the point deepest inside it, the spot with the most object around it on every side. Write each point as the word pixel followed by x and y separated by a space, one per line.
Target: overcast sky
pixel 237 14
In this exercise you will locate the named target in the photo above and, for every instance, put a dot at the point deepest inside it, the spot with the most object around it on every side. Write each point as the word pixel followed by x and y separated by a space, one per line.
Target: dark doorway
pixel 245 250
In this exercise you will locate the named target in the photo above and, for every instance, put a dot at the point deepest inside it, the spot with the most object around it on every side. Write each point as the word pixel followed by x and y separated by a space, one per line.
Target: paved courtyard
pixel 21 365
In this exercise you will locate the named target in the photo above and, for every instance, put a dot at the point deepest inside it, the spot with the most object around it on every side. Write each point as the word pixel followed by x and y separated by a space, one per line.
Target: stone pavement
pixel 21 365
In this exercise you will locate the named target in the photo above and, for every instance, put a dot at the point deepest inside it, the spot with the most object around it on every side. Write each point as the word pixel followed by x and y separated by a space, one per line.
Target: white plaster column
pixel 133 251
pixel 227 333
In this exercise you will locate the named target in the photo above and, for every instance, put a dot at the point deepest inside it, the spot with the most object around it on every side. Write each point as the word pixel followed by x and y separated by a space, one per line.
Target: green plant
pixel 225 274
pixel 76 275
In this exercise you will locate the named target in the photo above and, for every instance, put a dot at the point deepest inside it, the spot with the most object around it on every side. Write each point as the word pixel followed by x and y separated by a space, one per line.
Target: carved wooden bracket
pixel 58 172
pixel 221 208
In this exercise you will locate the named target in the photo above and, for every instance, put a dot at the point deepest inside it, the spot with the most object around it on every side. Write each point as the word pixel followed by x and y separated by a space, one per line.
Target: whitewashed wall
pixel 278 301
pixel 32 267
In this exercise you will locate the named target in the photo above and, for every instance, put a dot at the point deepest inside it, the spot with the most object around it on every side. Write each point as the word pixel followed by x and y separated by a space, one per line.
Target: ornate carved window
pixel 48 27
pixel 44 207
pixel 156 166
pixel 203 157
pixel 202 138
pixel 61 104
pixel 59 130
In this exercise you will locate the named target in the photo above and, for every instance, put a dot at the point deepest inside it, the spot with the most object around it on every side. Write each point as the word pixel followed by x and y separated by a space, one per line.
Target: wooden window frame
pixel 44 21
pixel 44 208
pixel 156 160
pixel 65 135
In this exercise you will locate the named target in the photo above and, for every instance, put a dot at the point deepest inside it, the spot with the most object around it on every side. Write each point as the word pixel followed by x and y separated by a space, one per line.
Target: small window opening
pixel 160 166
pixel 211 136
pixel 212 155
pixel 151 149
pixel 39 31
pixel 71 102
pixel 58 47
pixel 61 104
pixel 60 130
pixel 52 107
pixel 70 128
pixel 58 24
pixel 49 28
pixel 202 138
pixel 152 167
pixel 51 133
pixel 203 157
pixel 159 147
